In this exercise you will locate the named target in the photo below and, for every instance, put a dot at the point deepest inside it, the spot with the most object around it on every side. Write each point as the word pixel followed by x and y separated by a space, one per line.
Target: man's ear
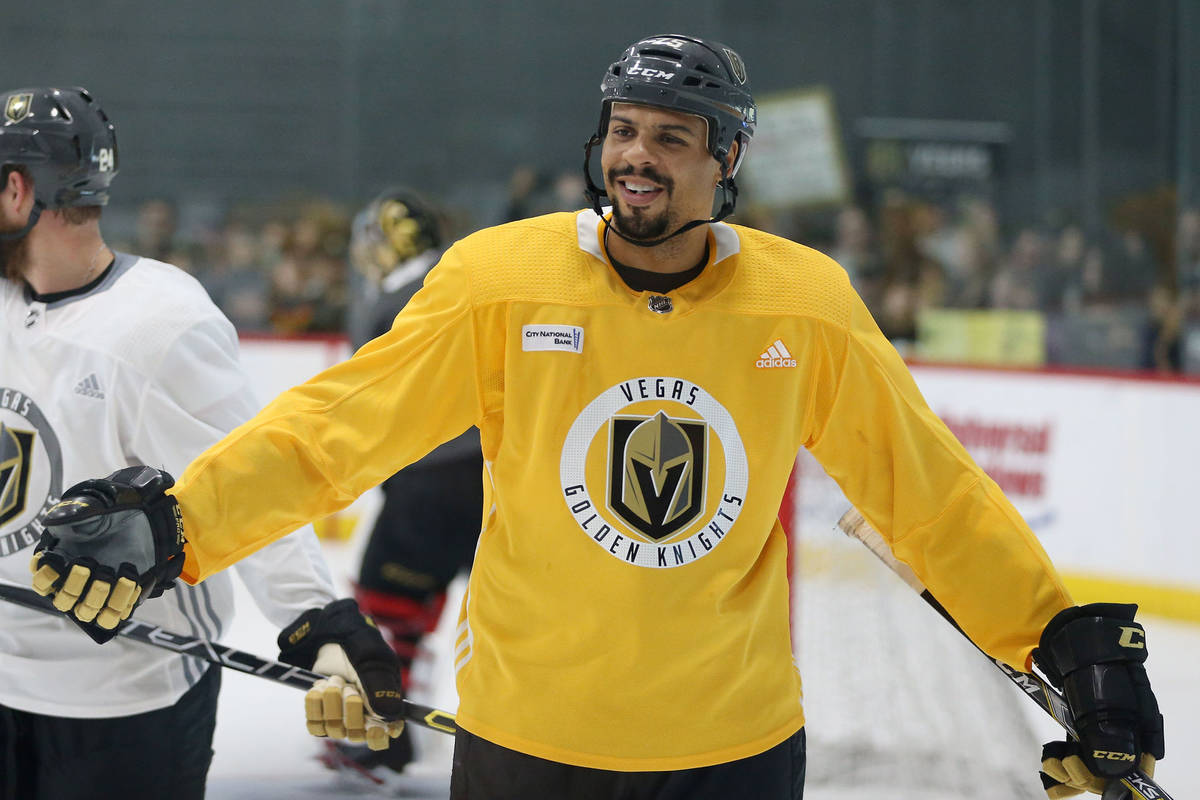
pixel 16 187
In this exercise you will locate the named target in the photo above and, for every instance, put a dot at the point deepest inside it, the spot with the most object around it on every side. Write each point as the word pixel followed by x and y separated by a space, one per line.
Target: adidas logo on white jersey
pixel 777 355
pixel 90 387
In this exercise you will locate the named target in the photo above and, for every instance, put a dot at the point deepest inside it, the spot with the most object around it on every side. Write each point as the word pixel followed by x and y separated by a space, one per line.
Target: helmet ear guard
pixel 693 76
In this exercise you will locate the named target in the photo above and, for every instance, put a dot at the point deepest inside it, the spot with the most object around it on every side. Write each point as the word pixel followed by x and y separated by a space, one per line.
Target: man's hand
pixel 362 699
pixel 108 545
pixel 1096 654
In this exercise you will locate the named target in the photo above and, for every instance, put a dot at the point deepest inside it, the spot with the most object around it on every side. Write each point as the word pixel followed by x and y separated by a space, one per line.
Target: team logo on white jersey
pixel 654 472
pixel 30 471
pixel 777 356
pixel 15 446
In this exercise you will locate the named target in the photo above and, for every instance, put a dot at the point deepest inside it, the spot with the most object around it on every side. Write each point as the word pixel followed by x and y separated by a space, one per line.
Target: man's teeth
pixel 638 187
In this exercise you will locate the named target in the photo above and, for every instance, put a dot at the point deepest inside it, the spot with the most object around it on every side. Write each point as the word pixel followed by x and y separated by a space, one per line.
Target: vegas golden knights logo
pixel 18 106
pixel 15 448
pixel 653 471
pixel 656 472
pixel 739 66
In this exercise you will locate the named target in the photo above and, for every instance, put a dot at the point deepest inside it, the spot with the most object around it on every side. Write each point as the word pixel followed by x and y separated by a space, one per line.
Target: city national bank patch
pixel 654 472
pixel 552 337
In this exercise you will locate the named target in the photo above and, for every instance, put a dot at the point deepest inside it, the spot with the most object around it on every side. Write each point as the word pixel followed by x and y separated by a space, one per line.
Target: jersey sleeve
pixel 903 469
pixel 288 577
pixel 195 394
pixel 321 444
pixel 198 393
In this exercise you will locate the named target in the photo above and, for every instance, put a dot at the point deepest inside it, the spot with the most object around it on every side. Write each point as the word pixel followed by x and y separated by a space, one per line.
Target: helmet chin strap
pixel 593 193
pixel 34 214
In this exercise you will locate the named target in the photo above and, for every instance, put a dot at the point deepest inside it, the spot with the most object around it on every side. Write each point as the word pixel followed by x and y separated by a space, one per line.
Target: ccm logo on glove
pixel 1129 638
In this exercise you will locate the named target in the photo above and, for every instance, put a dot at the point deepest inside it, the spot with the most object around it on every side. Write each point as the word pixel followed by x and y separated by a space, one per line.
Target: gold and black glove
pixel 109 544
pixel 361 700
pixel 1096 654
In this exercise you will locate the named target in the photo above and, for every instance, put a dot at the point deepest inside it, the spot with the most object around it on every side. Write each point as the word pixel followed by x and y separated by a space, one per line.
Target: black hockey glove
pixel 362 699
pixel 1095 654
pixel 109 544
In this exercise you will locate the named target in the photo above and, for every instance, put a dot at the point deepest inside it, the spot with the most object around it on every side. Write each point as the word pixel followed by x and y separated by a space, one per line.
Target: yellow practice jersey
pixel 628 607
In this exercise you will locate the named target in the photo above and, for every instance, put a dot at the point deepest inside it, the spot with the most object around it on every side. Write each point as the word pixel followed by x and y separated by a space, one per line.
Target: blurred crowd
pixel 284 269
pixel 1140 273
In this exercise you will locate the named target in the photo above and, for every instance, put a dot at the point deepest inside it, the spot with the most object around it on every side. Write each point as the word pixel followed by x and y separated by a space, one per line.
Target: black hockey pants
pixel 486 771
pixel 160 754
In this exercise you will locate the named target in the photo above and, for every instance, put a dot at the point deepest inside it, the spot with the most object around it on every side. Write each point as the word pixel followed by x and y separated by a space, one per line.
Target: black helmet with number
pixel 688 74
pixel 64 139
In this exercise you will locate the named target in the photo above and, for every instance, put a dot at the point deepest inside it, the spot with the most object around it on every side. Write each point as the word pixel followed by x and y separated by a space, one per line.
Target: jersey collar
pixel 723 244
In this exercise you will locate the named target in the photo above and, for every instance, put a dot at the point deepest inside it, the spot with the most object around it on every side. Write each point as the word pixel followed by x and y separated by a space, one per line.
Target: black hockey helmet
pixel 682 73
pixel 394 227
pixel 67 143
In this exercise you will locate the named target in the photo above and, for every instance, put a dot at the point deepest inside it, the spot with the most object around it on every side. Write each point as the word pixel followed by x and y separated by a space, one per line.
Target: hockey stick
pixel 1136 786
pixel 225 656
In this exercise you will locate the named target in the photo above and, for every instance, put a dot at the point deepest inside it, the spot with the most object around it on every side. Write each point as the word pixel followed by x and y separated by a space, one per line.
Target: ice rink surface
pixel 264 753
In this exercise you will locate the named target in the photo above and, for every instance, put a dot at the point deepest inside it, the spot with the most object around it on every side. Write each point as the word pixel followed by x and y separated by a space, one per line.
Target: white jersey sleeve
pixel 200 392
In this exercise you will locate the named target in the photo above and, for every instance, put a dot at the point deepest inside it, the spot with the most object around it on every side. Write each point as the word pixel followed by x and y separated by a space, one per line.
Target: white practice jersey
pixel 137 368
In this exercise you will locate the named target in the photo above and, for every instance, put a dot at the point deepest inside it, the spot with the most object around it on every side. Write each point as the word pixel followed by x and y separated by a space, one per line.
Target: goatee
pixel 638 224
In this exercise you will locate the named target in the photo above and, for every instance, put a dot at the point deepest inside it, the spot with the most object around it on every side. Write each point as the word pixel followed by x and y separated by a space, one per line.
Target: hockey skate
pixel 368 769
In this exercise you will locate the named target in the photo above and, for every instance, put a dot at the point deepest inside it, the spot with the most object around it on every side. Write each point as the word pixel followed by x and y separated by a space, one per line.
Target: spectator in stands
pixel 308 283
pixel 973 275
pixel 523 184
pixel 1015 285
pixel 1135 273
pixel 977 254
pixel 155 234
pixel 1188 248
pixel 1163 338
pixel 854 247
pixel 531 193
pixel 912 280
pixel 568 190
pixel 1060 283
pixel 236 280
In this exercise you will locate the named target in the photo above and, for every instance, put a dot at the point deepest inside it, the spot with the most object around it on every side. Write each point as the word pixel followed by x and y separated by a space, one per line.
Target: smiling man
pixel 658 171
pixel 642 380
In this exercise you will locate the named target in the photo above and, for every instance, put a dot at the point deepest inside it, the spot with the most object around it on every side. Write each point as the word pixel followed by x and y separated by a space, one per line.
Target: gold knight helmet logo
pixel 660 485
pixel 18 107
pixel 739 66
pixel 15 447
pixel 654 472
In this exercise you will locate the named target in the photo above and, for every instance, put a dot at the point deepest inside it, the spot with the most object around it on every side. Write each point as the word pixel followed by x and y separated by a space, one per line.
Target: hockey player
pixel 642 380
pixel 108 360
pixel 426 530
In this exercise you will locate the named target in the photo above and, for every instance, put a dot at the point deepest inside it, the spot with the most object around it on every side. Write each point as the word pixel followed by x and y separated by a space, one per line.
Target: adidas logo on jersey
pixel 90 387
pixel 777 355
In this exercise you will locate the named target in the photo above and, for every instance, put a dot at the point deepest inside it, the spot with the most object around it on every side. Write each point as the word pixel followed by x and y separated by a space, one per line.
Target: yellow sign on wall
pixel 994 338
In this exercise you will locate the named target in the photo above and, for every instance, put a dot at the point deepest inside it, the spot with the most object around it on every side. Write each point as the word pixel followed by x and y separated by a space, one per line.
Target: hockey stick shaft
pixel 1137 784
pixel 225 656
